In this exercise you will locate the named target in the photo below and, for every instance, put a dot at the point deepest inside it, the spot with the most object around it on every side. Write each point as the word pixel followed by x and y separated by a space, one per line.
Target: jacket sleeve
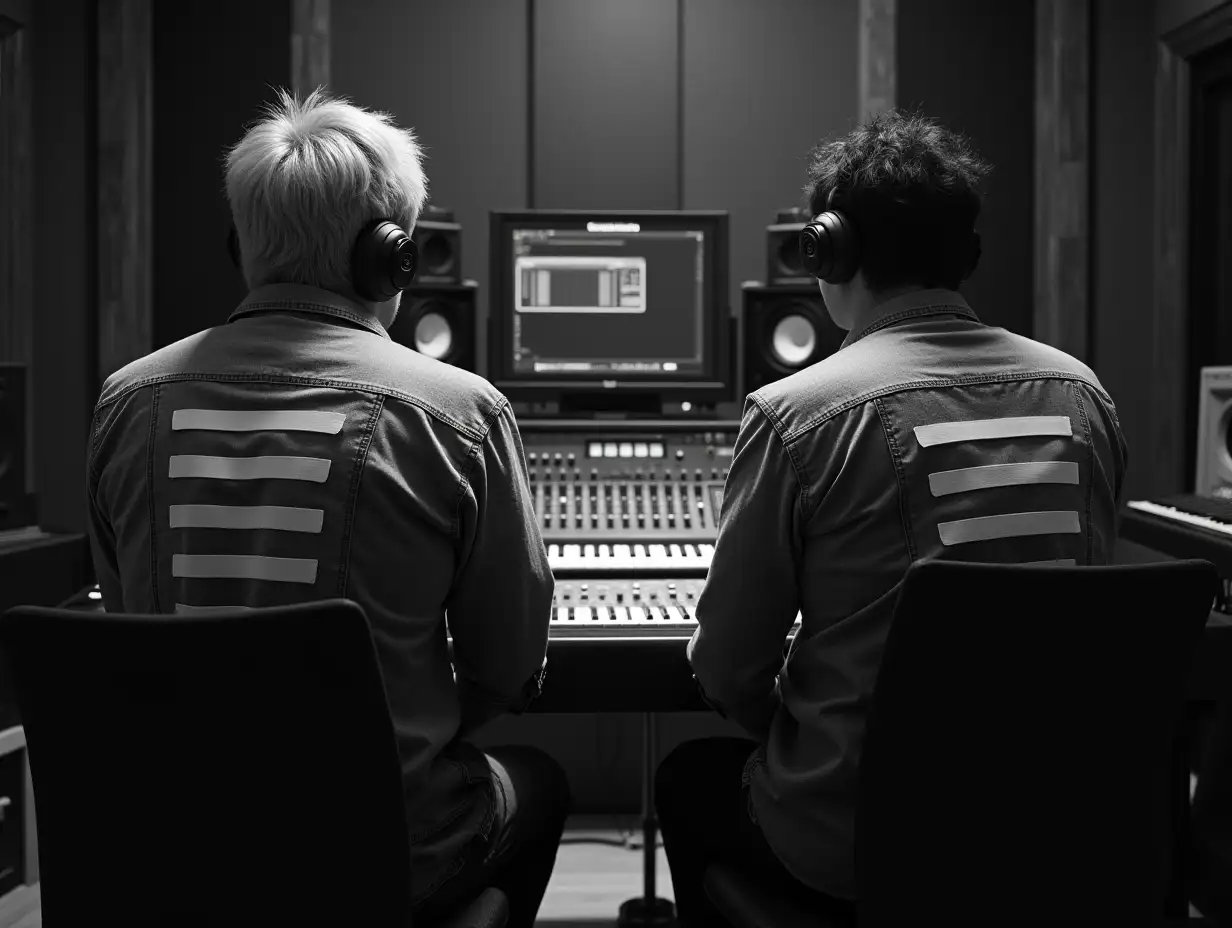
pixel 751 597
pixel 500 607
pixel 102 534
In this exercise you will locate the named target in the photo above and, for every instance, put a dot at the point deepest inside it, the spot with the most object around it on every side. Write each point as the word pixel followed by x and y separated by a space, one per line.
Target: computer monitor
pixel 601 304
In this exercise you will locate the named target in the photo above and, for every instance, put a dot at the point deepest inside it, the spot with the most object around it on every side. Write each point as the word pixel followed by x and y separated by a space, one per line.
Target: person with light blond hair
pixel 297 453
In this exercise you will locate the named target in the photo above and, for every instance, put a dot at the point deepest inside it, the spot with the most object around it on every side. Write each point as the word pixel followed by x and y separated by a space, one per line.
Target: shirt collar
pixel 302 298
pixel 909 306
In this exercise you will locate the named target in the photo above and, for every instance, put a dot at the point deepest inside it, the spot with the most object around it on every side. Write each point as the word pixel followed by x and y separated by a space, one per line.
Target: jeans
pixel 703 813
pixel 532 803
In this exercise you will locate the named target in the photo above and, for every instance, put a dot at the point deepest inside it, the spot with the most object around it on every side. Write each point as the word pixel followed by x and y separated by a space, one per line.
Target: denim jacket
pixel 298 453
pixel 928 435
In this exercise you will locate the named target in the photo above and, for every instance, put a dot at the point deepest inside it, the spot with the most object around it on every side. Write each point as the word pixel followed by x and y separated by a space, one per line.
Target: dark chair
pixel 215 769
pixel 1018 766
pixel 1211 850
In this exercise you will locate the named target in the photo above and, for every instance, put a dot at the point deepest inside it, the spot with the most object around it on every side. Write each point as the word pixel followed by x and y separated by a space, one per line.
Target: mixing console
pixel 633 503
pixel 627 608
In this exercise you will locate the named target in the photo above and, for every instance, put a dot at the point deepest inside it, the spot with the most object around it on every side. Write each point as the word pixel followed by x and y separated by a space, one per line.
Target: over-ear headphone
pixel 830 247
pixel 383 261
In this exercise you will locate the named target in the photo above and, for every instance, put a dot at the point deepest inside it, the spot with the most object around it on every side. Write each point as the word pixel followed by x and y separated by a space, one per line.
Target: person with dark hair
pixel 927 435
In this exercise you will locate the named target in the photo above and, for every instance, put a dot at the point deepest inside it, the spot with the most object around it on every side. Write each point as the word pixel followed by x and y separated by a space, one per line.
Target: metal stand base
pixel 637 913
pixel 648 909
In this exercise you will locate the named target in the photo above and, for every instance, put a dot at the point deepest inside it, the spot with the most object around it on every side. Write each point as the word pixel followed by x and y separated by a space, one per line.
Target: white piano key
pixel 1177 515
pixel 562 614
pixel 588 551
pixel 637 614
pixel 622 613
pixel 675 550
pixel 581 613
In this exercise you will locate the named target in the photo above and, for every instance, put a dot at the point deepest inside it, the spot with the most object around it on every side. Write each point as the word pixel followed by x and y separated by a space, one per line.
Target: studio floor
pixel 599 866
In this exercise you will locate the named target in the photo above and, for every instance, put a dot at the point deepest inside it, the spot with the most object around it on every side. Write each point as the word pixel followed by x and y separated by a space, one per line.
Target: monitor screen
pixel 609 301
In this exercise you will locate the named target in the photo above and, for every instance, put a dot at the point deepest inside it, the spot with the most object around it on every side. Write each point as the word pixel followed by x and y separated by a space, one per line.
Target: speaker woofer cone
pixel 433 335
pixel 793 340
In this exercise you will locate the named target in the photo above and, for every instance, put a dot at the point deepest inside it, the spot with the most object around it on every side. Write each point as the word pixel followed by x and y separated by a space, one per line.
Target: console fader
pixel 642 502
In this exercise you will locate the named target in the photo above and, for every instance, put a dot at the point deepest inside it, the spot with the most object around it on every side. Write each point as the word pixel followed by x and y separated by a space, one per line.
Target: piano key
pixel 581 613
pixel 683 559
pixel 1177 515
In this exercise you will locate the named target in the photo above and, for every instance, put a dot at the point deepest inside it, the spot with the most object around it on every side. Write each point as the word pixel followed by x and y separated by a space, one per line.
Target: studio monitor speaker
pixel 785 329
pixel 439 320
pixel 439 239
pixel 783 265
pixel 1214 470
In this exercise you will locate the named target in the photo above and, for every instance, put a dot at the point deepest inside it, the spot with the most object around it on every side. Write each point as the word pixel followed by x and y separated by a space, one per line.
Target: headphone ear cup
pixel 383 262
pixel 830 248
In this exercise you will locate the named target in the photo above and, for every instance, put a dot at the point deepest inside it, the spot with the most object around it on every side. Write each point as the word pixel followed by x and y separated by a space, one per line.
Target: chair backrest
pixel 1211 850
pixel 213 768
pixel 1017 763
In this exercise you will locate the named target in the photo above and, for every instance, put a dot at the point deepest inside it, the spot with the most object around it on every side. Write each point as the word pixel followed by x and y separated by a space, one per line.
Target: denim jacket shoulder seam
pixel 389 392
pixel 971 380
pixel 464 478
pixel 789 447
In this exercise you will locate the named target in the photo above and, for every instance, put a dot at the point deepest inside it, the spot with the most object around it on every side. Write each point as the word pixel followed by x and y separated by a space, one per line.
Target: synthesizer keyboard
pixel 1213 515
pixel 634 559
pixel 1185 526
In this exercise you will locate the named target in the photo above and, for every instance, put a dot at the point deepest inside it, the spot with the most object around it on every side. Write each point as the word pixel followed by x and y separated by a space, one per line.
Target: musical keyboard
pixel 1183 526
pixel 577 559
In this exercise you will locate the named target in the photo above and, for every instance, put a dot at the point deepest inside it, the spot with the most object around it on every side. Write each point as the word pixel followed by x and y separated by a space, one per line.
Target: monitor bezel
pixel 715 384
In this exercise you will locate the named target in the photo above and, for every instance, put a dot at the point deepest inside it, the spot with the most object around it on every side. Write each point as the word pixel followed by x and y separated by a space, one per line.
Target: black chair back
pixel 1018 758
pixel 227 768
pixel 1210 882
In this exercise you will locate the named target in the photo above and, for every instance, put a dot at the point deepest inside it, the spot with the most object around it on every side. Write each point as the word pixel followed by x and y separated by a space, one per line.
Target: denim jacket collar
pixel 302 298
pixel 909 306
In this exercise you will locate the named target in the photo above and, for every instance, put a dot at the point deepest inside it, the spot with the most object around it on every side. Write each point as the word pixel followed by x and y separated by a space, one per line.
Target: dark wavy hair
pixel 912 188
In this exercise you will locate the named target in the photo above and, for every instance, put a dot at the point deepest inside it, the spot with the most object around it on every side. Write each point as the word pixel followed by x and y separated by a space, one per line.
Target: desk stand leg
pixel 648 909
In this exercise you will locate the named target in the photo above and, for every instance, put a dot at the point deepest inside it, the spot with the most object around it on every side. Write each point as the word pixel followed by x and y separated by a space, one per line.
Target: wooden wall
pixel 1122 219
pixel 1062 174
pixel 17 214
pixel 125 184
pixel 215 66
pixel 971 64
